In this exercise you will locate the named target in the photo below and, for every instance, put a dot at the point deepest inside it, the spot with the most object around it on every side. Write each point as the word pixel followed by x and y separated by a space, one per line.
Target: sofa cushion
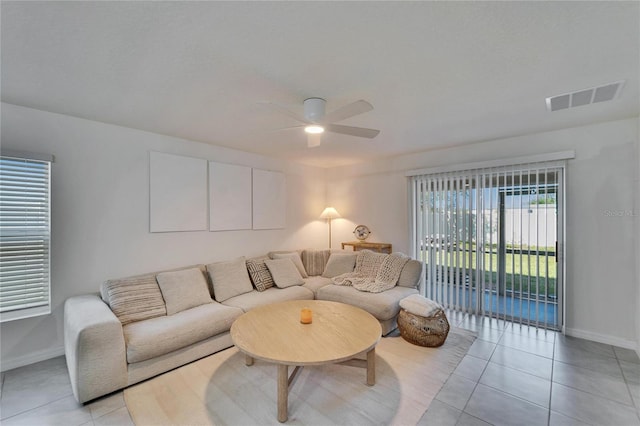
pixel 229 278
pixel 315 283
pixel 314 261
pixel 158 336
pixel 284 272
pixel 383 306
pixel 135 298
pixel 410 275
pixel 259 274
pixel 339 263
pixel 295 258
pixel 253 299
pixel 183 289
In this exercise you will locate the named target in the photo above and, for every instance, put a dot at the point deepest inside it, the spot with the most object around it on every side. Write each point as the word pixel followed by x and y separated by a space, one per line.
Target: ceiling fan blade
pixel 313 139
pixel 285 111
pixel 288 128
pixel 352 131
pixel 347 111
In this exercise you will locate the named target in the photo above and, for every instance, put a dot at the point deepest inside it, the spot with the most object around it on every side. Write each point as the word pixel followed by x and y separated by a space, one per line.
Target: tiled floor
pixel 512 375
pixel 517 375
pixel 40 394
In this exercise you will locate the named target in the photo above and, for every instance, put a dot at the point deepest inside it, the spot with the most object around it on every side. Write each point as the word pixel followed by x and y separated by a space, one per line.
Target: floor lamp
pixel 329 213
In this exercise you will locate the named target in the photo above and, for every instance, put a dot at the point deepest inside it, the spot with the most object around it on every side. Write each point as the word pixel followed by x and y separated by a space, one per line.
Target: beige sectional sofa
pixel 139 327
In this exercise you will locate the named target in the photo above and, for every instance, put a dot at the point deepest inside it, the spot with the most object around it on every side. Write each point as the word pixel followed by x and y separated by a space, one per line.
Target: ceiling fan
pixel 316 121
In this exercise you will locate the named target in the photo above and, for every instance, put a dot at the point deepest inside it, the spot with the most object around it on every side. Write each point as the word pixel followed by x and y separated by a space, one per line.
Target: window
pixel 489 240
pixel 24 235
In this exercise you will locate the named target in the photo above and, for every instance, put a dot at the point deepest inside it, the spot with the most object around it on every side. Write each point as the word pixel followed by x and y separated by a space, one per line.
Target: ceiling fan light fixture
pixel 314 129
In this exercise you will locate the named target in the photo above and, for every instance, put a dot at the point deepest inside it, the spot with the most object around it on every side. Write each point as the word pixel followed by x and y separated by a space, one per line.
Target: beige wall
pixel 602 253
pixel 100 214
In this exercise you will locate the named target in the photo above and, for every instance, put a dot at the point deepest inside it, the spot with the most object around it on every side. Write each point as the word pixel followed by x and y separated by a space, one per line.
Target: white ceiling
pixel 437 73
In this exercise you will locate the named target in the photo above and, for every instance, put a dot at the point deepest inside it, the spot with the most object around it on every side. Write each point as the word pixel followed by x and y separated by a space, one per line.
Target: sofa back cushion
pixel 183 289
pixel 284 272
pixel 411 274
pixel 134 299
pixel 314 261
pixel 229 278
pixel 295 258
pixel 339 263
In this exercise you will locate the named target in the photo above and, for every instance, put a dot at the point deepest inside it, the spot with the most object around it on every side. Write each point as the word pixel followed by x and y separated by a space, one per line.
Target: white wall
pixel 637 218
pixel 601 263
pixel 100 214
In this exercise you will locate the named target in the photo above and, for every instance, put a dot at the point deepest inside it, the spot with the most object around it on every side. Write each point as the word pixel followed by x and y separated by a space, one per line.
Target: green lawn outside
pixel 527 273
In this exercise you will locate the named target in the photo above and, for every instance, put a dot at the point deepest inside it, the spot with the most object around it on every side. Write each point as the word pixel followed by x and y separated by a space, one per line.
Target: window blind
pixel 488 238
pixel 24 237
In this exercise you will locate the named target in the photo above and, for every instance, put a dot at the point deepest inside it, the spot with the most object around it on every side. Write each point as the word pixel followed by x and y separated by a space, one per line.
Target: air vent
pixel 608 92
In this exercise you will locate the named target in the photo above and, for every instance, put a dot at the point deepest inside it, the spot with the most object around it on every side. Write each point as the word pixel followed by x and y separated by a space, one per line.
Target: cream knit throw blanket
pixel 374 272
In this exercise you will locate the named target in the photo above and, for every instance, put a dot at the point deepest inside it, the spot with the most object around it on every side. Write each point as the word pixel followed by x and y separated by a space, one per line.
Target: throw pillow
pixel 314 261
pixel 184 289
pixel 410 275
pixel 295 258
pixel 284 272
pixel 339 263
pixel 134 299
pixel 259 274
pixel 229 279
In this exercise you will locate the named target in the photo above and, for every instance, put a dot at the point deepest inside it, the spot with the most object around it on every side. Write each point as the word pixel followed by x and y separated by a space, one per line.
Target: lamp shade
pixel 329 213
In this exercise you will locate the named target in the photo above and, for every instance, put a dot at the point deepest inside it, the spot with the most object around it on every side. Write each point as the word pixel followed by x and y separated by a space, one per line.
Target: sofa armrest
pixel 94 348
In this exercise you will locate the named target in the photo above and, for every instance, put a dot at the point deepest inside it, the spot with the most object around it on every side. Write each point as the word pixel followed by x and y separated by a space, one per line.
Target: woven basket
pixel 423 331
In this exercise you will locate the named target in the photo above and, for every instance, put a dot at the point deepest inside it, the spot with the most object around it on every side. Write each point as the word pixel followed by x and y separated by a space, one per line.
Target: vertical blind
pixel 24 237
pixel 488 238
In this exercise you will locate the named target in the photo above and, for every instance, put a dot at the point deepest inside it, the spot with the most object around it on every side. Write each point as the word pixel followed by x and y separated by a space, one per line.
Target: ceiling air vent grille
pixel 608 92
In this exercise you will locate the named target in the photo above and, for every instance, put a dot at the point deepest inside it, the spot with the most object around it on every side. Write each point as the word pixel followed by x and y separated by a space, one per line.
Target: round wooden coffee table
pixel 337 334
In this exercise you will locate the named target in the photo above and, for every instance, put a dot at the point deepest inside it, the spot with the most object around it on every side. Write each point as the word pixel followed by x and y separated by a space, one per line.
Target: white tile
pixel 499 408
pixel 523 361
pixel 564 341
pixel 578 355
pixel 454 317
pixel 631 371
pixel 471 367
pixel 119 417
pixel 590 408
pixel 593 382
pixel 65 411
pixel 439 414
pixel 34 385
pixel 532 332
pixel 468 420
pixel 627 355
pixel 482 349
pixel 456 391
pixel 634 389
pixel 478 322
pixel 490 334
pixel 527 344
pixel 525 386
pixel 557 419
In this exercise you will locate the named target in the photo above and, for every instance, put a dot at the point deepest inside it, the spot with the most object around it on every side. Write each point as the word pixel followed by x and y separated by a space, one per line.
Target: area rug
pixel 222 390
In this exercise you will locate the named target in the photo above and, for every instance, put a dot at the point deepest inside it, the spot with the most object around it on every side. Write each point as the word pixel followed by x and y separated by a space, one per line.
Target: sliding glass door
pixel 489 239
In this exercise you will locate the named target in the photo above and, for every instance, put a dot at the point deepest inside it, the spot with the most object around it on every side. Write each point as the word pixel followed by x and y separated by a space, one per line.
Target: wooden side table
pixel 361 245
